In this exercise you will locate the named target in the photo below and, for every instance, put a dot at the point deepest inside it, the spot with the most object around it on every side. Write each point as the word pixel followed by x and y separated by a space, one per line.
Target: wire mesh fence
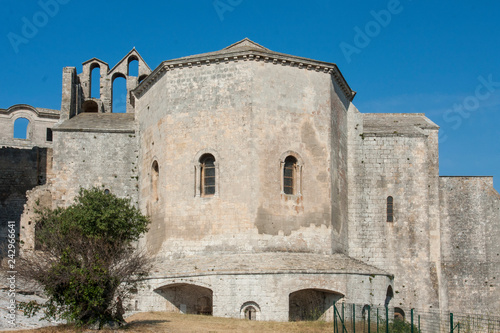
pixel 352 318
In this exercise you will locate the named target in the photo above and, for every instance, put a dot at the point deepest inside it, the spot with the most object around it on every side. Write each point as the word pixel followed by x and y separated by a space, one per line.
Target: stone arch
pixel 311 304
pixel 187 298
pixel 250 310
pixel 95 78
pixel 90 106
pixel 119 93
pixel 22 126
pixel 141 78
pixel 399 314
pixel 135 71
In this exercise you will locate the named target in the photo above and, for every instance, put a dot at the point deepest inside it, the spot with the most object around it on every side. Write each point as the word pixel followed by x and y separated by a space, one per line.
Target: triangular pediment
pixel 246 44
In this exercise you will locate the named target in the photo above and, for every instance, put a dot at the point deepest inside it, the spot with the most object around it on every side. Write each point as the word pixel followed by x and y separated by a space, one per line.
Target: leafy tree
pixel 87 262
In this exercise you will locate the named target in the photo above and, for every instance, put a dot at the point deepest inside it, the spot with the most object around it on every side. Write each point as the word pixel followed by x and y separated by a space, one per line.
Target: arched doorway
pixel 311 304
pixel 188 298
pixel 90 106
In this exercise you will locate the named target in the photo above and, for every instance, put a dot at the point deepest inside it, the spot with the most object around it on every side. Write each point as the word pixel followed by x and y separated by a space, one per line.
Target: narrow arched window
pixel 21 126
pixel 95 81
pixel 155 172
pixel 290 175
pixel 207 181
pixel 390 209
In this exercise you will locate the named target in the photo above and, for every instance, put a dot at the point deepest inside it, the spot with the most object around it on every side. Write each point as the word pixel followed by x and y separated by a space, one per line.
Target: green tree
pixel 87 260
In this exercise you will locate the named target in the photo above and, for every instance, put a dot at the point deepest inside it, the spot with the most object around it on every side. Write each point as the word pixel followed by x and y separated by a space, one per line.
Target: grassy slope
pixel 159 322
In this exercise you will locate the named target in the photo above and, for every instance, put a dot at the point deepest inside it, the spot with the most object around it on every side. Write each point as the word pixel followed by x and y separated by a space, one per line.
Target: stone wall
pixel 250 116
pixel 20 171
pixel 396 155
pixel 470 215
pixel 272 295
pixel 107 160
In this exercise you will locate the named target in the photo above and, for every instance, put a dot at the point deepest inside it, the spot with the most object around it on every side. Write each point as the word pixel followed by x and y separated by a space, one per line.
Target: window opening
pixel 207 175
pixel 119 94
pixel 95 82
pixel 49 134
pixel 390 209
pixel 133 66
pixel 289 175
pixel 21 128
pixel 154 180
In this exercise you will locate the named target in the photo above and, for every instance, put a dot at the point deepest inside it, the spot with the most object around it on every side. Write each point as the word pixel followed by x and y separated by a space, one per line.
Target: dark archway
pixel 399 314
pixel 90 107
pixel 311 304
pixel 188 298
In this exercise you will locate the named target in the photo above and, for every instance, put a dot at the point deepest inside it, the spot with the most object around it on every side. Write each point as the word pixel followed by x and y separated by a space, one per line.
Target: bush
pixel 88 261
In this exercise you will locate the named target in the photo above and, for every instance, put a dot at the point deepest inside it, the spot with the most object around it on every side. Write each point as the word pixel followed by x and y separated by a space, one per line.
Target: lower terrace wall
pixel 470 234
pixel 275 297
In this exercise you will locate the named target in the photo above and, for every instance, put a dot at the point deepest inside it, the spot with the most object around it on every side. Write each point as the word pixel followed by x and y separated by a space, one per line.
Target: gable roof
pixel 134 52
pixel 246 50
pixel 247 44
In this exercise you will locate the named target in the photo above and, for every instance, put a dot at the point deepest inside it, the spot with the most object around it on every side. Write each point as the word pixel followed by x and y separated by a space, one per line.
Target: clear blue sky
pixel 441 58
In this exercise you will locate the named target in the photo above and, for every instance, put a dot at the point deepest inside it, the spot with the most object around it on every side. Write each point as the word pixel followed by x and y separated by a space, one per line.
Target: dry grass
pixel 161 322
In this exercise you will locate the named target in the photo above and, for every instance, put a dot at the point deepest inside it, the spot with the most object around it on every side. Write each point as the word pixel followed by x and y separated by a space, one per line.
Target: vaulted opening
pixel 187 298
pixel 119 93
pixel 21 128
pixel 95 81
pixel 133 66
pixel 312 304
pixel 90 107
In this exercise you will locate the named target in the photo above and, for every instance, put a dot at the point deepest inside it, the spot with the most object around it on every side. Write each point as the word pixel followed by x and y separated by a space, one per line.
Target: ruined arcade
pixel 269 192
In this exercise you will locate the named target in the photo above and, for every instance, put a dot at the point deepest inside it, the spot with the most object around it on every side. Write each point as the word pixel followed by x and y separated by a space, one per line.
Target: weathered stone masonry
pixel 291 211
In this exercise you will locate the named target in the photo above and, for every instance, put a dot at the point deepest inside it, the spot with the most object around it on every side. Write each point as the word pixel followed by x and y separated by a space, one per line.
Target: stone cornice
pixel 226 56
pixel 41 113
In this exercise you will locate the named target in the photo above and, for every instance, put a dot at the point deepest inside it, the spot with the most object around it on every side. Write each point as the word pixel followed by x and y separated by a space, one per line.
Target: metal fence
pixel 352 318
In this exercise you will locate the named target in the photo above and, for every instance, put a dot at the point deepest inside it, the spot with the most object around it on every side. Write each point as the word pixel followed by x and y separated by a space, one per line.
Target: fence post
pixel 343 317
pixel 451 323
pixel 335 330
pixel 377 319
pixel 418 323
pixel 369 307
pixel 386 319
pixel 411 329
pixel 354 318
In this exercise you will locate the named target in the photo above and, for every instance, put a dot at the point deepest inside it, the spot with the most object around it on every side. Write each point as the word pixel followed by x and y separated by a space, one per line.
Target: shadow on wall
pixel 21 170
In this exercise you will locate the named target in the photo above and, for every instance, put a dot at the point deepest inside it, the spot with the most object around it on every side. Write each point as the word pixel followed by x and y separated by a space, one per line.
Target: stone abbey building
pixel 269 193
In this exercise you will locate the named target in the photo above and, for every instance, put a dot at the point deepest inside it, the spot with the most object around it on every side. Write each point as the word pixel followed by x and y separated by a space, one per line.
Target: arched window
pixel 21 126
pixel 155 173
pixel 399 314
pixel 207 174
pixel 90 106
pixel 250 311
pixel 141 78
pixel 390 209
pixel 95 81
pixel 133 66
pixel 290 175
pixel 119 94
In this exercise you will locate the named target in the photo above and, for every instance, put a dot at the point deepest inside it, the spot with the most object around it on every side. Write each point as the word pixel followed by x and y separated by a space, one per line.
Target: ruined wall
pixel 20 171
pixel 249 115
pixel 470 217
pixel 396 156
pixel 90 158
